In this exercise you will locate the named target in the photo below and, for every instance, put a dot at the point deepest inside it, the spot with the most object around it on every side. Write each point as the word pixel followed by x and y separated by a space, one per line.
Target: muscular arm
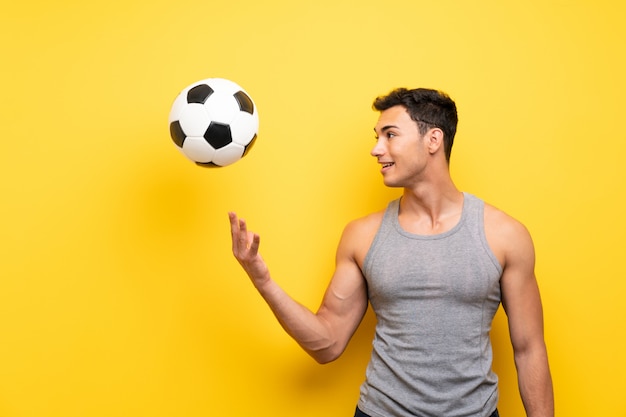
pixel 522 304
pixel 325 334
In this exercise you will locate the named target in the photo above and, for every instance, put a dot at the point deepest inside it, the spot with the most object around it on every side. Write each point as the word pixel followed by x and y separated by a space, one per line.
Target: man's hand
pixel 246 250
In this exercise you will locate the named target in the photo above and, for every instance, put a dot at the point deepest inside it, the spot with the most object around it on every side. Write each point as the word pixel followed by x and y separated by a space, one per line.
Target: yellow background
pixel 118 293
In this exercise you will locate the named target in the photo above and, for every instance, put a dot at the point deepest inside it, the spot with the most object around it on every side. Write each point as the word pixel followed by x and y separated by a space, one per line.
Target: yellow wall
pixel 118 292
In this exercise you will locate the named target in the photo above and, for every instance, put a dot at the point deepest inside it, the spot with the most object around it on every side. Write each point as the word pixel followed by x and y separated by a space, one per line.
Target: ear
pixel 434 140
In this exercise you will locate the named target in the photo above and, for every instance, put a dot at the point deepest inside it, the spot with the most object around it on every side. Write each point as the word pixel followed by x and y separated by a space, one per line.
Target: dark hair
pixel 429 108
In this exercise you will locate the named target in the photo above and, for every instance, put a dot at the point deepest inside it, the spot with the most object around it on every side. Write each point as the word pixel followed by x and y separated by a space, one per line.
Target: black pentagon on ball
pixel 244 101
pixel 177 134
pixel 199 94
pixel 218 135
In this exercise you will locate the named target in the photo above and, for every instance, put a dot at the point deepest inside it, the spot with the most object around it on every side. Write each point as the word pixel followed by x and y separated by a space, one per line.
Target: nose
pixel 378 149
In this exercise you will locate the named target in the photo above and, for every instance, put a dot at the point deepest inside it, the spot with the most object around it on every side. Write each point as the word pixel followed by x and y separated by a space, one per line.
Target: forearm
pixel 535 382
pixel 305 327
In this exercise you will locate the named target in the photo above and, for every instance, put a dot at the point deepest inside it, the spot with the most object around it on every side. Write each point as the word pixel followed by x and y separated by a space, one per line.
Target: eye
pixel 387 135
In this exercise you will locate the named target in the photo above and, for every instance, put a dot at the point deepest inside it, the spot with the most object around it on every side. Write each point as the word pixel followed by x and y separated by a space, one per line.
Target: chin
pixel 392 184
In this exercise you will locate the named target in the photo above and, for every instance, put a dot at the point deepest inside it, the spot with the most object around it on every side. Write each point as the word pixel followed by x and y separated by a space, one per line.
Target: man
pixel 435 266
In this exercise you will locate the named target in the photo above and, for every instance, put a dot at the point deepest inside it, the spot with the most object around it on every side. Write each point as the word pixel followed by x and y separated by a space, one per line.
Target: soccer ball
pixel 214 122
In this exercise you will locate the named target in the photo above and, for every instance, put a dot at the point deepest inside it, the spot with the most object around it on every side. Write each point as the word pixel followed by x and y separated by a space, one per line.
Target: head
pixel 428 108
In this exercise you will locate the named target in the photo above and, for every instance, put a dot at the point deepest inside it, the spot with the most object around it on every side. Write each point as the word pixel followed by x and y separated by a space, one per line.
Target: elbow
pixel 531 354
pixel 324 359
pixel 326 355
pixel 327 345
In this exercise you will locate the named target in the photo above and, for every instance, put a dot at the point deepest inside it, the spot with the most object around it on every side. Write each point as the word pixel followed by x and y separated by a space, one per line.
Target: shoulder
pixel 359 234
pixel 508 238
pixel 365 224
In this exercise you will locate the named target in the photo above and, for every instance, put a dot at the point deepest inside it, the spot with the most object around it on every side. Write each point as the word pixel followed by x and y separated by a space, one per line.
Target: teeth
pixel 388 165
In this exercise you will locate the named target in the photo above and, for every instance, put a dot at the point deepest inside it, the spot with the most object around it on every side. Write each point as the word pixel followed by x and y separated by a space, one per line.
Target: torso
pixel 436 291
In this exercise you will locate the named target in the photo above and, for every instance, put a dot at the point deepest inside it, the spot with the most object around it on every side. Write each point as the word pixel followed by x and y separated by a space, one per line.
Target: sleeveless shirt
pixel 434 298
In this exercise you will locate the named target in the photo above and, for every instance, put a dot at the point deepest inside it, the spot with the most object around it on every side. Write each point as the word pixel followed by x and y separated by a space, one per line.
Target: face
pixel 400 149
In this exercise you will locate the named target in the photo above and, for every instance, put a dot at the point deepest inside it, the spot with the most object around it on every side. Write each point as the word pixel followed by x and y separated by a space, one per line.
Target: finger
pixel 243 239
pixel 232 217
pixel 239 234
pixel 254 246
pixel 234 228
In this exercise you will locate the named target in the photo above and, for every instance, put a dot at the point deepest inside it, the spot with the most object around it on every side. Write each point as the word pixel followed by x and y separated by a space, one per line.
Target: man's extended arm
pixel 325 334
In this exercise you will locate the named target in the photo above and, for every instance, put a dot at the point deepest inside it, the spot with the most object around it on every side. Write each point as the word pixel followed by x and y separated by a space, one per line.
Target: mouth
pixel 387 164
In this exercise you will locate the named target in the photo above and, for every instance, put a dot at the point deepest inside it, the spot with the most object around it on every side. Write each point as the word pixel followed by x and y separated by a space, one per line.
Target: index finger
pixel 232 216
pixel 234 227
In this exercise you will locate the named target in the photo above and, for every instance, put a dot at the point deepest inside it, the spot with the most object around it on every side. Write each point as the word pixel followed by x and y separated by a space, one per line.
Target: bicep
pixel 345 301
pixel 520 292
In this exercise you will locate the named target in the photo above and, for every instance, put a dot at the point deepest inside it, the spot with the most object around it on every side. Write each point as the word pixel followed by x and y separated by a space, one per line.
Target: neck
pixel 431 203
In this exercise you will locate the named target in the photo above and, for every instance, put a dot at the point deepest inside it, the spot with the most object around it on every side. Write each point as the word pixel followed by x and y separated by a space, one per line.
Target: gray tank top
pixel 434 297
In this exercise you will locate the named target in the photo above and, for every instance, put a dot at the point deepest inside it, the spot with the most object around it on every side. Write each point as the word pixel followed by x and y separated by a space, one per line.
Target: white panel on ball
pixel 228 155
pixel 194 119
pixel 198 150
pixel 243 126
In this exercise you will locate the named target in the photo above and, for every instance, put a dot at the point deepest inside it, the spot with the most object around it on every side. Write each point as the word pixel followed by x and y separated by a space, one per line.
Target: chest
pixel 455 270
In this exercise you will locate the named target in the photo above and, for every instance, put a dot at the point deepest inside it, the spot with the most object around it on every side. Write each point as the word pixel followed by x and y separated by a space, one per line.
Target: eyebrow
pixel 386 127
